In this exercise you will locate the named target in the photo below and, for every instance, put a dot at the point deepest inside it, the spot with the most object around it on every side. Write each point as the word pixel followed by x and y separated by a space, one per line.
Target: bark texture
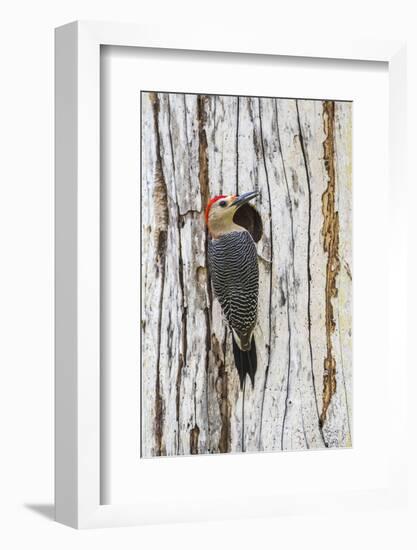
pixel 297 154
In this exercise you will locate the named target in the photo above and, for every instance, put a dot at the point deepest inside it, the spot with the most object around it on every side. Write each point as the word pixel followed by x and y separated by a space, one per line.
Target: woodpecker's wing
pixel 234 271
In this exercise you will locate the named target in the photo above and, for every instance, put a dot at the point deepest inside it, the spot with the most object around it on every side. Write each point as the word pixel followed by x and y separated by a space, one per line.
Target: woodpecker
pixel 234 227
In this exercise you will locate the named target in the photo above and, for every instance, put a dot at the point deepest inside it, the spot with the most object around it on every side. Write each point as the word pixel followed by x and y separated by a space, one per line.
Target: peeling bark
pixel 330 234
pixel 202 150
pixel 160 197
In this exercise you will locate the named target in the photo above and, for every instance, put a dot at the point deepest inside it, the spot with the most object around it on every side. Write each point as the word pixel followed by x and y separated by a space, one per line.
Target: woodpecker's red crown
pixel 210 204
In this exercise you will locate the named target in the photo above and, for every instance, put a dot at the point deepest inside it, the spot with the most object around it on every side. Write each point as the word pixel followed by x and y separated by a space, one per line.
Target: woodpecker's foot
pixel 264 259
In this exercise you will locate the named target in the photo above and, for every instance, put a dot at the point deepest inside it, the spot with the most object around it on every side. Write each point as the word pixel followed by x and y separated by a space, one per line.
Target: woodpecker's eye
pixel 223 203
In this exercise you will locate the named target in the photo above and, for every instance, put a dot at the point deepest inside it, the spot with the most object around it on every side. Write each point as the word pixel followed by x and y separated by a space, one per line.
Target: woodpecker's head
pixel 221 210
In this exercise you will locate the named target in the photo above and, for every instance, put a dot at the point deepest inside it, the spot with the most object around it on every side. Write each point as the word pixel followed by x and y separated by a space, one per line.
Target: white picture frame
pixel 77 70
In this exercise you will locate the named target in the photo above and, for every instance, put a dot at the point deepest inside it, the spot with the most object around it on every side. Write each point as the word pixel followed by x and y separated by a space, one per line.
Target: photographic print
pixel 246 279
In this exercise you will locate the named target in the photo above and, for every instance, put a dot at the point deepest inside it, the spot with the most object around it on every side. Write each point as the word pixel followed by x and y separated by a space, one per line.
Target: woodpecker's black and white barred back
pixel 233 265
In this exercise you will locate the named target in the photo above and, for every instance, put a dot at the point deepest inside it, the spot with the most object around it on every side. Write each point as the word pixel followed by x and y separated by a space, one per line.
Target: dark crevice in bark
pixel 191 212
pixel 243 416
pixel 207 316
pixel 222 387
pixel 202 150
pixel 182 359
pixel 194 439
pixel 290 206
pixel 307 171
pixel 257 149
pixel 347 269
pixel 284 417
pixel 237 144
pixel 195 431
pixel 236 221
pixel 190 161
pixel 160 197
pixel 214 140
pixel 271 258
pixel 302 420
pixel 330 233
pixel 203 176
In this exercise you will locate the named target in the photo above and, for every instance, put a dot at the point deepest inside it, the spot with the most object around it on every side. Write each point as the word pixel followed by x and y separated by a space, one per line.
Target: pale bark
pixel 194 147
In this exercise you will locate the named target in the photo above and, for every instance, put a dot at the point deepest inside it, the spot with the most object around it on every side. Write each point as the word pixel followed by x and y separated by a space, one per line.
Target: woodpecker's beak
pixel 244 198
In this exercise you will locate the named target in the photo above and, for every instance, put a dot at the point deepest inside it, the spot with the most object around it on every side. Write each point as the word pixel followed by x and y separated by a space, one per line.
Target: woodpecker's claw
pixel 244 198
pixel 269 262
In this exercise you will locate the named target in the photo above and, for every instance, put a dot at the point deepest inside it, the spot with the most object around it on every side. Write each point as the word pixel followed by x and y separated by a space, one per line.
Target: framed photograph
pixel 227 266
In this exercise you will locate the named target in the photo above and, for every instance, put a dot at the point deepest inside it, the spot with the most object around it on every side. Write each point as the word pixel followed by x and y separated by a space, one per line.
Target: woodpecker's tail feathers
pixel 245 362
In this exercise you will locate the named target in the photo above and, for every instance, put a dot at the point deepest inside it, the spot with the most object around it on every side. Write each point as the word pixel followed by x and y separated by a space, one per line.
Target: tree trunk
pixel 297 154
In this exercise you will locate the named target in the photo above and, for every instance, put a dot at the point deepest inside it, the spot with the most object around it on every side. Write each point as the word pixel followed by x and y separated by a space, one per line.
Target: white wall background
pixel 26 269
